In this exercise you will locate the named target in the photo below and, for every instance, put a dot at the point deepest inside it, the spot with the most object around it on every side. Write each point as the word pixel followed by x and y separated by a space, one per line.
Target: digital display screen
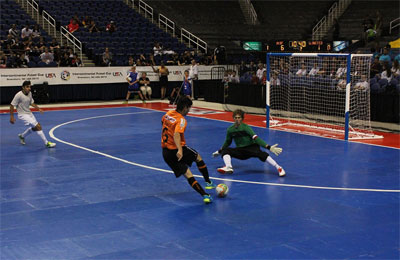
pixel 340 45
pixel 252 46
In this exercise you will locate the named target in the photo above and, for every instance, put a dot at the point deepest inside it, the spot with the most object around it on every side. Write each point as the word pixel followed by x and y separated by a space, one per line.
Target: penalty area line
pixel 51 133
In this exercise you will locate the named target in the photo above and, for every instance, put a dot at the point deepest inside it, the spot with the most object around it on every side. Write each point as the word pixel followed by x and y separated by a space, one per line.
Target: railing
pixel 146 9
pixel 323 26
pixel 51 23
pixel 69 37
pixel 168 24
pixel 33 9
pixel 252 12
pixel 393 24
pixel 192 39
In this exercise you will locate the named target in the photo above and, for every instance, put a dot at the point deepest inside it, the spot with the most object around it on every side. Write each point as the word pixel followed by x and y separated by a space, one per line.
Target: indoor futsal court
pixel 105 192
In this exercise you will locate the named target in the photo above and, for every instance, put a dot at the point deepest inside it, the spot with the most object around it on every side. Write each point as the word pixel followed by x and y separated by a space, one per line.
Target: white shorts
pixel 28 119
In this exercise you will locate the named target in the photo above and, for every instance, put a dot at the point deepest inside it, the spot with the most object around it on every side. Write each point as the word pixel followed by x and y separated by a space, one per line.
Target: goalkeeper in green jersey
pixel 247 146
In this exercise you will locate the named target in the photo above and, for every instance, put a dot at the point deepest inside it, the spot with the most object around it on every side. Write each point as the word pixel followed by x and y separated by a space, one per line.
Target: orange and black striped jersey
pixel 172 122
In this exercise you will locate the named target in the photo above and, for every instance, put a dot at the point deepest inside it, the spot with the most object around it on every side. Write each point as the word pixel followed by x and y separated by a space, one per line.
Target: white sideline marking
pixel 51 133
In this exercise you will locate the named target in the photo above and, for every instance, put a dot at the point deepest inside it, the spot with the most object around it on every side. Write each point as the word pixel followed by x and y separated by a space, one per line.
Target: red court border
pixel 389 139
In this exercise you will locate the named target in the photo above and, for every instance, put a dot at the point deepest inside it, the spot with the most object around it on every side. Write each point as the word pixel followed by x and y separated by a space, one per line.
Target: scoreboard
pixel 298 46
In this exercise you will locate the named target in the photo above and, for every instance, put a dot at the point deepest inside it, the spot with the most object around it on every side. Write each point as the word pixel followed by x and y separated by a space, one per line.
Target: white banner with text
pixel 95 75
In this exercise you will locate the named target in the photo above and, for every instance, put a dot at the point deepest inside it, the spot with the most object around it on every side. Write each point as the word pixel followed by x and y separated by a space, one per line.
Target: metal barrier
pixel 69 37
pixel 192 39
pixel 164 22
pixel 146 9
pixel 51 23
pixel 393 24
pixel 252 12
pixel 33 9
pixel 323 26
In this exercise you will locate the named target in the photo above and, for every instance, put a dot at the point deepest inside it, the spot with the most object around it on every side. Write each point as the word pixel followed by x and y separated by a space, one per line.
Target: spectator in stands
pixel 254 79
pixel 143 60
pixel 163 73
pixel 341 83
pixel 8 43
pixel 107 57
pixel 77 20
pixel 226 77
pixel 260 71
pixel 242 68
pixel 234 78
pixel 341 71
pixel 73 26
pixel 65 60
pixel 395 69
pixel 92 27
pixel 376 67
pixel 314 70
pixel 111 27
pixel 47 56
pixel 385 57
pixel 14 32
pixel 336 29
pixel 86 21
pixel 3 60
pixel 145 87
pixel 17 47
pixel 252 67
pixel 275 81
pixel 219 55
pixel 41 44
pixel 302 71
pixel 157 49
pixel 362 84
pixel 54 46
pixel 367 24
pixel 22 61
pixel 76 61
pixel 131 61
pixel 36 31
pixel 264 78
pixel 397 57
pixel 386 73
pixel 26 32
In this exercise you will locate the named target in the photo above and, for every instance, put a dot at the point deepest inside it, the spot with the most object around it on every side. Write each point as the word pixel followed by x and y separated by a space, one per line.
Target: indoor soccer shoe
pixel 207 199
pixel 21 139
pixel 281 172
pixel 50 145
pixel 227 170
pixel 210 185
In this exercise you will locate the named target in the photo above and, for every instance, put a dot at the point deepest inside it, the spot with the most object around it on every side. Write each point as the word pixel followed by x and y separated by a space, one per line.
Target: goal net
pixel 320 94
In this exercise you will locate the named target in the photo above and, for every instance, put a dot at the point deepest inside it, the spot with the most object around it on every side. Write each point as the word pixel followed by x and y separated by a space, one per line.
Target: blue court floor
pixel 105 193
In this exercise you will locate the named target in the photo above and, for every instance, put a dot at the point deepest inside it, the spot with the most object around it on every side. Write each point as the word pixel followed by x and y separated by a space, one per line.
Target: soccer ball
pixel 222 189
pixel 129 78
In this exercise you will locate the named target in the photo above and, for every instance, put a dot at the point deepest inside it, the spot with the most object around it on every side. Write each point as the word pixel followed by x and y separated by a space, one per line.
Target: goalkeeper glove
pixel 275 149
pixel 216 153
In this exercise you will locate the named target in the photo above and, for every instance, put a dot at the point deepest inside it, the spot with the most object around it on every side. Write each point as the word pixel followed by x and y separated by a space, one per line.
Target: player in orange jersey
pixel 176 154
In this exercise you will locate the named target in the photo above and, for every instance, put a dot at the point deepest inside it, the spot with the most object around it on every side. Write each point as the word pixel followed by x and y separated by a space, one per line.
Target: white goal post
pixel 321 93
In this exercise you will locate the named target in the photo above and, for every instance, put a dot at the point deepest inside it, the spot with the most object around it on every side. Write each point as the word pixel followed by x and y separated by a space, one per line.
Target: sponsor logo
pixel 177 72
pixel 117 74
pixel 50 75
pixel 65 75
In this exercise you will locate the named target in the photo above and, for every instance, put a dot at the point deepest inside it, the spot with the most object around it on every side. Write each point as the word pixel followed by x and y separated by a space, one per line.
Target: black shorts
pixel 163 81
pixel 179 167
pixel 244 153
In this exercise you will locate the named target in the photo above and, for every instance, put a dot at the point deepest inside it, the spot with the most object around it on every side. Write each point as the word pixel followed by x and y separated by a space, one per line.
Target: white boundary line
pixel 51 133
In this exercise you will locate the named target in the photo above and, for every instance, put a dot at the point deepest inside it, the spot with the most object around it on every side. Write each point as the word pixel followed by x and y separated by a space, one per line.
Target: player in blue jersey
pixel 133 80
pixel 186 85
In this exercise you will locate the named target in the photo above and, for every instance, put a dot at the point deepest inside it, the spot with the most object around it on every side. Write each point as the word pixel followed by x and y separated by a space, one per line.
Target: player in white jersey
pixel 22 101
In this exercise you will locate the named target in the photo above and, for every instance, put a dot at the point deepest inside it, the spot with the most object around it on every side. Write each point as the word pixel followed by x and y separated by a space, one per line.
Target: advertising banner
pixel 90 75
